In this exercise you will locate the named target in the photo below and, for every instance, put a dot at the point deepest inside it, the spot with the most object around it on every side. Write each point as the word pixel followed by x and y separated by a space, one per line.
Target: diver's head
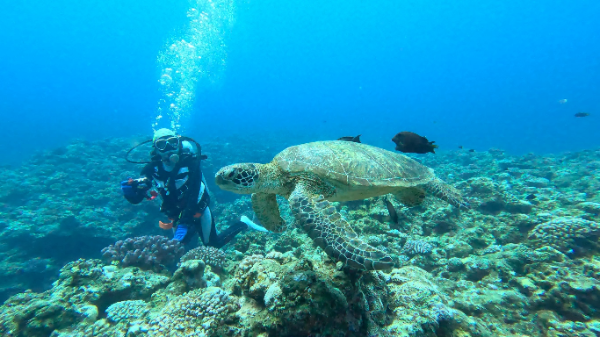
pixel 167 145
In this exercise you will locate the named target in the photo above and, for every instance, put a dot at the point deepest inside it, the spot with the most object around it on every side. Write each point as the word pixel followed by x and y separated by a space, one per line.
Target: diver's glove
pixel 181 232
pixel 252 225
pixel 130 187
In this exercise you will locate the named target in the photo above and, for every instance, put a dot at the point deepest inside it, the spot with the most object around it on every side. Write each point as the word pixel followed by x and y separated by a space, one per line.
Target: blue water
pixel 480 74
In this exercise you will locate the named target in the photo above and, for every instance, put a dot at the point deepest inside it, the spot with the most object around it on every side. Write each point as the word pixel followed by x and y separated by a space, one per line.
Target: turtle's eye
pixel 231 174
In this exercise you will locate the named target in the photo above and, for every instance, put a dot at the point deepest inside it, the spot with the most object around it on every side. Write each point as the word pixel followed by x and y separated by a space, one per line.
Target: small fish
pixel 531 197
pixel 471 150
pixel 562 101
pixel 410 142
pixel 582 114
pixel 391 210
pixel 351 139
pixel 460 147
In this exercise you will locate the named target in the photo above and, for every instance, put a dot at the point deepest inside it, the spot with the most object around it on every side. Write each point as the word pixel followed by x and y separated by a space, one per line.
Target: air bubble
pixel 189 58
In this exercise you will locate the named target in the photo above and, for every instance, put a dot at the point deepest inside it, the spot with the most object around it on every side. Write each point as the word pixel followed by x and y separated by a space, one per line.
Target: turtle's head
pixel 239 178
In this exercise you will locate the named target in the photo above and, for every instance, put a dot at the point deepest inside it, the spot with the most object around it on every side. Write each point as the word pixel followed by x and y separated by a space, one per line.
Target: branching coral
pixel 211 256
pixel 127 311
pixel 144 251
pixel 196 313
pixel 249 261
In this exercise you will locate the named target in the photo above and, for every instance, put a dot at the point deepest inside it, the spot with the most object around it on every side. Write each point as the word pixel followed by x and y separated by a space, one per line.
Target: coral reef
pixel 84 290
pixel 414 247
pixel 196 313
pixel 417 303
pixel 127 311
pixel 211 256
pixel 522 261
pixel 144 251
pixel 566 233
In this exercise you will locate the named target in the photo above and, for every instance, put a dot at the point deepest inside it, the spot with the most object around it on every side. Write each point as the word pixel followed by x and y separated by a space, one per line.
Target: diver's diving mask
pixel 168 149
pixel 167 144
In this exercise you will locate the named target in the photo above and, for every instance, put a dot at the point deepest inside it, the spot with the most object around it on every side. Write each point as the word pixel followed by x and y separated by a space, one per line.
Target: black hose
pixel 133 148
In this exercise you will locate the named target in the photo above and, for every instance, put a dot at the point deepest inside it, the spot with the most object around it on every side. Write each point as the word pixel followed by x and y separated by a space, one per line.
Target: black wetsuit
pixel 185 198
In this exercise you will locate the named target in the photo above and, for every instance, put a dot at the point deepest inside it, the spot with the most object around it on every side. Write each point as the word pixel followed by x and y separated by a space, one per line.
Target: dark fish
pixel 471 150
pixel 582 114
pixel 351 139
pixel 410 142
pixel 391 210
pixel 530 197
pixel 460 146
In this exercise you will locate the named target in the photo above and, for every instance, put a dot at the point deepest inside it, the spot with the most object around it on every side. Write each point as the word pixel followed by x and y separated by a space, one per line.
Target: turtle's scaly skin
pixel 309 175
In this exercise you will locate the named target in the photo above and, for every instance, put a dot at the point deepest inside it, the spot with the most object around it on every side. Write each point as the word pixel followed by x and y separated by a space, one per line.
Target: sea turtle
pixel 310 175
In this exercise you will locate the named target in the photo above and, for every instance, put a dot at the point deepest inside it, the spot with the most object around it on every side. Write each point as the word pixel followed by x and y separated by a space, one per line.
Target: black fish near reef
pixel 391 210
pixel 530 197
pixel 410 142
pixel 351 139
pixel 581 114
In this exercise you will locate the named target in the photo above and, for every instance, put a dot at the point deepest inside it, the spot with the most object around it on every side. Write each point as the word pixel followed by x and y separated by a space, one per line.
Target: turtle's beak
pixel 237 178
pixel 219 180
pixel 223 179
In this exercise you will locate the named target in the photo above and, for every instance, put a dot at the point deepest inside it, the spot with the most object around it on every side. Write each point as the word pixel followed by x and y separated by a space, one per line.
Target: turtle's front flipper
pixel 266 209
pixel 446 192
pixel 331 232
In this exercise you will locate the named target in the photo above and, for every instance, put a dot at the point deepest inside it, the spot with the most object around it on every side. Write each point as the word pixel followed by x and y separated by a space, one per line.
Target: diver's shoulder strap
pixel 198 147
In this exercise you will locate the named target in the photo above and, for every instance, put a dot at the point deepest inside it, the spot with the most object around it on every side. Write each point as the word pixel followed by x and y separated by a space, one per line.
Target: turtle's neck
pixel 273 180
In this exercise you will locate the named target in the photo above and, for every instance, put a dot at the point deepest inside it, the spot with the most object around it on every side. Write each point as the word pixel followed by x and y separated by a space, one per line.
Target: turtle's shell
pixel 354 164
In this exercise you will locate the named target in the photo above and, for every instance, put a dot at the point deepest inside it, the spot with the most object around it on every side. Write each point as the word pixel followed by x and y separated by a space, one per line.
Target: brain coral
pixel 561 233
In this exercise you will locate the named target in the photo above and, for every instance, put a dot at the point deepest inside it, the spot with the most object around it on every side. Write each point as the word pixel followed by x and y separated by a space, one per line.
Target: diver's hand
pixel 181 232
pixel 130 187
pixel 127 188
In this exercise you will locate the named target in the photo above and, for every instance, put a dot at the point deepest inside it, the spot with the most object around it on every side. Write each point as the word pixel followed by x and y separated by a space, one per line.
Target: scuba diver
pixel 174 173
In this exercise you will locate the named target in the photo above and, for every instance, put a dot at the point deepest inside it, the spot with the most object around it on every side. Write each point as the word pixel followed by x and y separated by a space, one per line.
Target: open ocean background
pixel 509 247
pixel 480 74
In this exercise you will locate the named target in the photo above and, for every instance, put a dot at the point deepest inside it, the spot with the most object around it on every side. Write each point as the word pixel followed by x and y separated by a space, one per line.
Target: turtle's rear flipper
pixel 446 192
pixel 267 211
pixel 332 233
